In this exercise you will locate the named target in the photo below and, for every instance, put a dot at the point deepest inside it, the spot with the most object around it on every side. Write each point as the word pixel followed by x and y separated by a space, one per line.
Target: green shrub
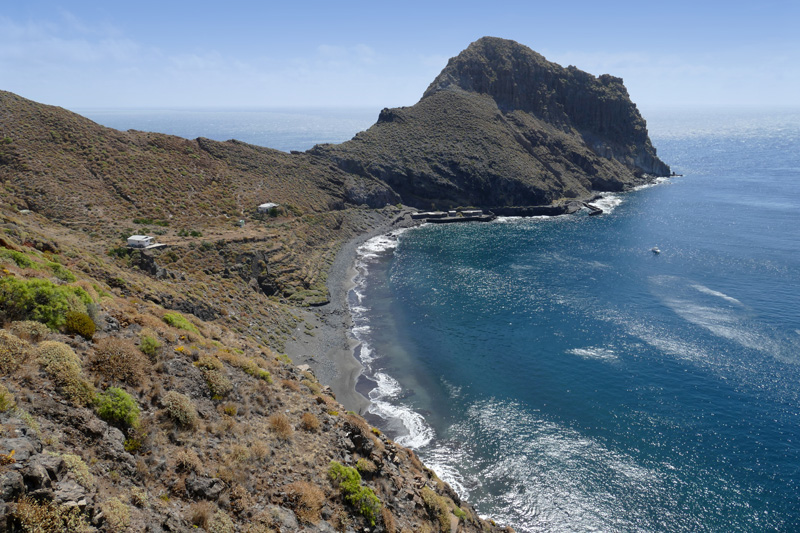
pixel 118 408
pixel 177 320
pixel 7 401
pixel 13 352
pixel 149 345
pixel 180 408
pixel 61 272
pixel 40 300
pixel 362 498
pixel 20 259
pixel 77 323
pixel 437 508
pixel 63 366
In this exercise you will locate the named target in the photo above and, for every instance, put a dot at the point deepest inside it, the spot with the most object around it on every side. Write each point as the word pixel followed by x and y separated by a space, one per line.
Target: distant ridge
pixel 503 126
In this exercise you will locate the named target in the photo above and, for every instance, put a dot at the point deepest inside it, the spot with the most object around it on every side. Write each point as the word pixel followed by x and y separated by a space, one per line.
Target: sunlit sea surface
pixel 561 375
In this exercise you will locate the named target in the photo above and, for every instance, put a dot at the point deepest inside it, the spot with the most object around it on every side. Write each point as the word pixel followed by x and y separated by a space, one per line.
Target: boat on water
pixel 655 250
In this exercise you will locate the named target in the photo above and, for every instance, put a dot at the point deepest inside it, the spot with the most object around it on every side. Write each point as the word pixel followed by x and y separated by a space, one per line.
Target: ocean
pixel 563 377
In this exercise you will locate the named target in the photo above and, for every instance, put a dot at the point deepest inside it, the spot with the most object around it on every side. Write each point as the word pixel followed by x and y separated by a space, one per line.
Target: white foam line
pixel 712 292
pixel 420 433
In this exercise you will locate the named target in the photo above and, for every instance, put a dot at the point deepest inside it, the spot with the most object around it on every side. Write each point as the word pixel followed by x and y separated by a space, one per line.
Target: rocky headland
pixel 166 389
pixel 502 126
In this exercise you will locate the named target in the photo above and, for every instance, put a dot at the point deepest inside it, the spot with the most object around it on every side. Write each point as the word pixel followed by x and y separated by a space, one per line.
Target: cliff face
pixel 517 78
pixel 503 126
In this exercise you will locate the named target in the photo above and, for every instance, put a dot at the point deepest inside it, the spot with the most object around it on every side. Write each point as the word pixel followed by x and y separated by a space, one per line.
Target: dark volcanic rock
pixel 502 126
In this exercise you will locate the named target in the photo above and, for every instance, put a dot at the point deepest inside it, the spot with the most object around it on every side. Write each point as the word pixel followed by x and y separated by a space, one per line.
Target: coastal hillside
pixel 189 194
pixel 502 126
pixel 117 414
pixel 165 389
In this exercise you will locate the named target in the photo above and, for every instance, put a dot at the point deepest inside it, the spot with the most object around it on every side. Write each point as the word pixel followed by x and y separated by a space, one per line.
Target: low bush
pixel 79 469
pixel 200 513
pixel 180 409
pixel 7 401
pixel 221 523
pixel 149 346
pixel 187 460
pixel 40 300
pixel 63 366
pixel 119 360
pixel 78 323
pixel 366 467
pixel 19 258
pixel 13 352
pixel 437 508
pixel 177 320
pixel 219 384
pixel 61 272
pixel 248 365
pixel 309 422
pixel 281 426
pixel 117 514
pixel 38 516
pixel 30 330
pixel 307 500
pixel 362 498
pixel 118 408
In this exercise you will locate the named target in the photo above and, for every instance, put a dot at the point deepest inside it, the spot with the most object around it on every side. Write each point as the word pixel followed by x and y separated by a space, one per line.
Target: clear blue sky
pixel 83 54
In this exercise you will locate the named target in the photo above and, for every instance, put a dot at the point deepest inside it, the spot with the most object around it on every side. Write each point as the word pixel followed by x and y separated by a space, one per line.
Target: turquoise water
pixel 565 378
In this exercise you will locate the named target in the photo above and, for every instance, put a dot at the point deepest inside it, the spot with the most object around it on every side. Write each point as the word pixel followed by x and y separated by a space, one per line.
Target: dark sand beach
pixel 324 341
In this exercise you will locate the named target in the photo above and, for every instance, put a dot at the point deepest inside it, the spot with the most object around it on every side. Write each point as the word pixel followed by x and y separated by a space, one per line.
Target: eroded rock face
pixel 502 126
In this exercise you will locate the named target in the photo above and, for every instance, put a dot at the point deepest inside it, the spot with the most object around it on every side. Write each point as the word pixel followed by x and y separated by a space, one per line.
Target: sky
pixel 243 54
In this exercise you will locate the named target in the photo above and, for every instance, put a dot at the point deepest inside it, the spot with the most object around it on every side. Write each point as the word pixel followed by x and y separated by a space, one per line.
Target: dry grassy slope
pixel 71 169
pixel 101 180
pixel 502 126
pixel 256 457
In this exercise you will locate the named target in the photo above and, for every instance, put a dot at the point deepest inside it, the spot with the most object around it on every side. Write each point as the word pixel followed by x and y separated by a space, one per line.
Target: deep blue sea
pixel 562 376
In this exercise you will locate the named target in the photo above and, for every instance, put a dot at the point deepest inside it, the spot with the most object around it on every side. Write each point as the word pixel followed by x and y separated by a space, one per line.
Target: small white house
pixel 140 241
pixel 264 208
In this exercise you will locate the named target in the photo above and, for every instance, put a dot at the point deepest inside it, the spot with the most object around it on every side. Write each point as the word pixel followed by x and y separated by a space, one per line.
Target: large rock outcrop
pixel 503 126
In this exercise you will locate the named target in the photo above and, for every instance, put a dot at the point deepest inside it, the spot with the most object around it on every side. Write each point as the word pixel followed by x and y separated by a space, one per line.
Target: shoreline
pixel 324 340
pixel 329 347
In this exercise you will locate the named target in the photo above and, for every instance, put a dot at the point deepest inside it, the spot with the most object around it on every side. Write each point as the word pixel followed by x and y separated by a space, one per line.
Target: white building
pixel 140 241
pixel 264 208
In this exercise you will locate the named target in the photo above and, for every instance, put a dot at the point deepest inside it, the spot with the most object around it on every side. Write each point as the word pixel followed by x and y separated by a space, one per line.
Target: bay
pixel 555 371
pixel 565 378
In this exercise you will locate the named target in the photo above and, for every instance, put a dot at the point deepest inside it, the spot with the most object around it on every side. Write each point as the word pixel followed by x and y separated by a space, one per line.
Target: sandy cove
pixel 324 341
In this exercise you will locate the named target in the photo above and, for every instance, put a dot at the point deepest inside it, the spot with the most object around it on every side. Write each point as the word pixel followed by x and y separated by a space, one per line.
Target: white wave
pixel 593 352
pixel 415 431
pixel 551 474
pixel 382 243
pixel 655 182
pixel 366 354
pixel 712 292
pixel 608 202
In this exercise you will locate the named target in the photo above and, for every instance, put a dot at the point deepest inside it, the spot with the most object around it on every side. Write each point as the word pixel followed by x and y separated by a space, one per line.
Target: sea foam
pixel 408 427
